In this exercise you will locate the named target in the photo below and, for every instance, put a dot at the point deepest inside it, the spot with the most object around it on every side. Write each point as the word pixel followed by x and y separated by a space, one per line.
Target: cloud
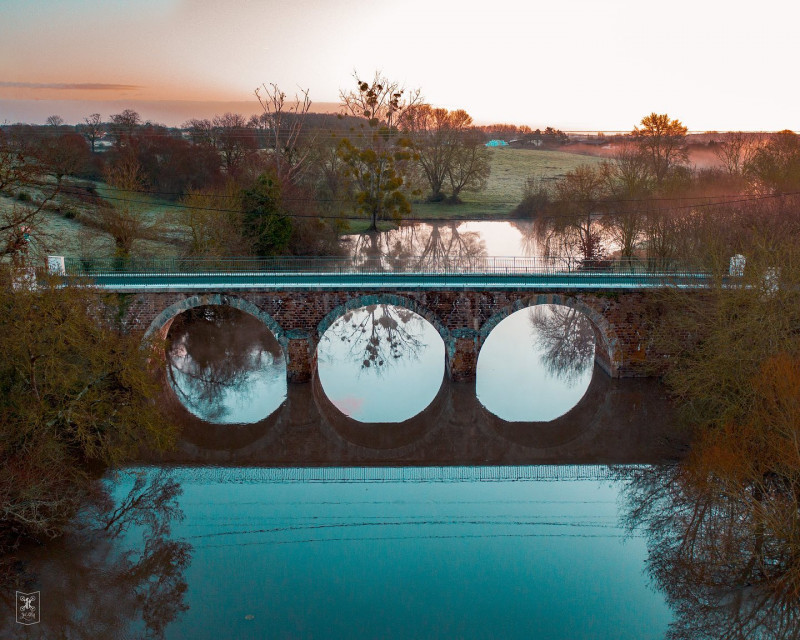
pixel 62 86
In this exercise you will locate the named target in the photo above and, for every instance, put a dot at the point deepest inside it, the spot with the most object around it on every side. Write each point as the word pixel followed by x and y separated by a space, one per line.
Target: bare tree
pixel 628 183
pixel 737 150
pixel 17 159
pixel 284 124
pixel 94 129
pixel 447 148
pixel 379 336
pixel 233 139
pixel 124 124
pixel 575 211
pixel 201 131
pixel 25 164
pixel 54 121
pixel 380 101
pixel 775 165
pixel 213 351
pixel 126 220
pixel 470 167
pixel 566 339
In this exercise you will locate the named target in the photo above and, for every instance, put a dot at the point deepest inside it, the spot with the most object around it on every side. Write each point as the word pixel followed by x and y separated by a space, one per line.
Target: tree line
pixel 281 182
pixel 648 201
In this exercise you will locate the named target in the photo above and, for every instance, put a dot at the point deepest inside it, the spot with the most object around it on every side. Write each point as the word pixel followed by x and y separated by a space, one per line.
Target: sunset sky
pixel 573 64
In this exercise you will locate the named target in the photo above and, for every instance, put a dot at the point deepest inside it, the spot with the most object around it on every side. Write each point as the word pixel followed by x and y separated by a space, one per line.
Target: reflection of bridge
pixel 615 423
pixel 464 299
pixel 292 475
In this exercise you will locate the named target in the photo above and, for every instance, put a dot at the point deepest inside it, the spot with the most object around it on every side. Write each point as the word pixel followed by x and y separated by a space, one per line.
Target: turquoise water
pixel 389 559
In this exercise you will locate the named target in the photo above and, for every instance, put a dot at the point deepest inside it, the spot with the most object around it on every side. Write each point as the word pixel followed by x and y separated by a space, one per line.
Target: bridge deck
pixel 394 280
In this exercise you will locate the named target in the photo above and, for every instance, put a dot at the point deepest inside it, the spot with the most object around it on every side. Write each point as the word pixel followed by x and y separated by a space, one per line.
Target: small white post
pixel 737 265
pixel 55 265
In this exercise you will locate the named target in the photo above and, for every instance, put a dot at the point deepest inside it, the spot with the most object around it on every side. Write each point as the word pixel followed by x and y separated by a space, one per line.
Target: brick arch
pixel 383 298
pixel 610 356
pixel 162 322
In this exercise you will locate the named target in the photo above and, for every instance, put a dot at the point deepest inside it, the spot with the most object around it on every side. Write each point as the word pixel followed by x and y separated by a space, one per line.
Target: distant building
pixel 497 143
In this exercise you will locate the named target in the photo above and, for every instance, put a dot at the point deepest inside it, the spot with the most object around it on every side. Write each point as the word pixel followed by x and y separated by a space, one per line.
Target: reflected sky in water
pixel 261 553
pixel 225 366
pixel 563 552
pixel 469 559
pixel 381 363
pixel 536 364
pixel 443 241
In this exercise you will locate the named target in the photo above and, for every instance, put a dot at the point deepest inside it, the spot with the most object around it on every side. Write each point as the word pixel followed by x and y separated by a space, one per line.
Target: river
pixel 381 500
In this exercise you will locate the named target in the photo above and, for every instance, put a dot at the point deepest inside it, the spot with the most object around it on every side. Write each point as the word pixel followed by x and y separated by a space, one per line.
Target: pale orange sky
pixel 575 64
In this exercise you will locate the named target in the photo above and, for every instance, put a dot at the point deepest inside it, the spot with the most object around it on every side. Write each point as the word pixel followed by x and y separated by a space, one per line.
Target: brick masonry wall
pixel 463 318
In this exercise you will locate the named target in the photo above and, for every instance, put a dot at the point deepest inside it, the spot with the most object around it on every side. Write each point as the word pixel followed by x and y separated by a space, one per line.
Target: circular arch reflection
pixel 224 365
pixel 380 363
pixel 536 364
pixel 391 438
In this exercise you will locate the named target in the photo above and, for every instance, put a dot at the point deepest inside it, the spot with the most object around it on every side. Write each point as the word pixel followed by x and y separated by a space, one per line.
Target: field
pixel 67 228
pixel 510 169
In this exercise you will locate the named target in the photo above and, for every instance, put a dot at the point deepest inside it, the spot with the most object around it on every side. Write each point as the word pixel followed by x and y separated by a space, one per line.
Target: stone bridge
pixel 464 318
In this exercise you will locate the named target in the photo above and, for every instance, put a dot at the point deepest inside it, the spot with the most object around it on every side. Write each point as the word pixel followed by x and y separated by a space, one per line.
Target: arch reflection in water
pixel 225 366
pixel 536 364
pixel 381 363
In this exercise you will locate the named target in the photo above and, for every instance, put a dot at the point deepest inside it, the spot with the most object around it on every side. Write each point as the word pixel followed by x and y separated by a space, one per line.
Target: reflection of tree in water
pixel 118 574
pixel 216 349
pixel 420 246
pixel 566 339
pixel 725 552
pixel 529 238
pixel 379 335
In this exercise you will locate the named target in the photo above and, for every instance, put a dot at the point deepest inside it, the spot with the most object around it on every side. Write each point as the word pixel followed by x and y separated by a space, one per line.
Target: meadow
pixel 510 169
pixel 68 226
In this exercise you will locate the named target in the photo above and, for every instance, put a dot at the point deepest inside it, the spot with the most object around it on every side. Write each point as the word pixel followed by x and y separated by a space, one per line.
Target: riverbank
pixel 69 222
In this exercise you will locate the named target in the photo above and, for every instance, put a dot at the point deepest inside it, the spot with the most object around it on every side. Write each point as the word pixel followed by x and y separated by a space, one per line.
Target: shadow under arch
pixel 608 354
pixel 577 424
pixel 392 438
pixel 163 321
pixel 202 435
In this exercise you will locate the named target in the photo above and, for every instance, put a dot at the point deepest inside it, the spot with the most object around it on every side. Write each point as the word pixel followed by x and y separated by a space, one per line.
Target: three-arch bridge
pixel 298 299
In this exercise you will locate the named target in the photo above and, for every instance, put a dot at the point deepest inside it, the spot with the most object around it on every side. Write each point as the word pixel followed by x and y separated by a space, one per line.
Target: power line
pixel 738 200
pixel 614 201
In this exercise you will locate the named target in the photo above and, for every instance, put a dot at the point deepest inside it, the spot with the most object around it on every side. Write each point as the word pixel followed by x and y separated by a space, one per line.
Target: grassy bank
pixel 69 226
pixel 510 169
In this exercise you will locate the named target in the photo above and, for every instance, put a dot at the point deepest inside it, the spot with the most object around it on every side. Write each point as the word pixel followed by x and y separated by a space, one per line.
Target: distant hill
pixel 172 113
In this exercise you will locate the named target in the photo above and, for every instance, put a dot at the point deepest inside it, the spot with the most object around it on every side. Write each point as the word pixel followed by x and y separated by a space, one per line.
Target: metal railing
pixel 386 265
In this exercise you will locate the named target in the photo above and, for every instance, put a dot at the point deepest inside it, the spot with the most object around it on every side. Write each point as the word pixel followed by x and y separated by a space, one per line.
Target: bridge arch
pixel 608 356
pixel 398 301
pixel 163 321
pixel 383 298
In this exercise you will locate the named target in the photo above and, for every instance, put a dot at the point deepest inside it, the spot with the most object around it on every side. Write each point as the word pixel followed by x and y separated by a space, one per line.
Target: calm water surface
pixel 536 364
pixel 368 545
pixel 438 242
pixel 365 553
pixel 381 363
pixel 225 366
